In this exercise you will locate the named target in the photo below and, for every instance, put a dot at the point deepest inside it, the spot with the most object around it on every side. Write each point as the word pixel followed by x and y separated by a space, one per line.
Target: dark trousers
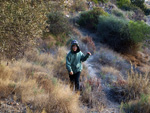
pixel 74 79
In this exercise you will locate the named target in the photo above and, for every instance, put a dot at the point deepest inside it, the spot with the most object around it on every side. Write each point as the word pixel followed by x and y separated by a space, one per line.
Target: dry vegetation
pixel 32 80
pixel 135 85
pixel 89 43
pixel 137 106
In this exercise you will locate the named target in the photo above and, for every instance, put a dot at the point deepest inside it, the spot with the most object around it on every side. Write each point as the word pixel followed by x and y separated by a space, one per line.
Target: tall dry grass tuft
pixel 6 86
pixel 138 84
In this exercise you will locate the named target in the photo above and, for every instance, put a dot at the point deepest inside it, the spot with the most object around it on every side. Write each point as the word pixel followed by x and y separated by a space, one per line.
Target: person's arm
pixel 68 64
pixel 84 57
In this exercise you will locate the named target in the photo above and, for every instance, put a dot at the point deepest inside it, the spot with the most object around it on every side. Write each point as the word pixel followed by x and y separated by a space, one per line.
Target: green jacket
pixel 74 60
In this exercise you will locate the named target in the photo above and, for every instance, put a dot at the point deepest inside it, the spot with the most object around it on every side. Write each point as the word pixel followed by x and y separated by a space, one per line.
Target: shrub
pixel 136 85
pixel 91 94
pixel 58 23
pixel 113 31
pixel 120 3
pixel 128 7
pixel 121 35
pixel 90 44
pixel 20 22
pixel 147 11
pixel 139 3
pixel 141 105
pixel 139 31
pixel 95 1
pixel 89 19
pixel 102 1
pixel 138 13
pixel 118 13
pixel 79 5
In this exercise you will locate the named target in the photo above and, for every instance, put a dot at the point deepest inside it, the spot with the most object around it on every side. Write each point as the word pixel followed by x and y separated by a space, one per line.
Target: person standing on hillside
pixel 74 61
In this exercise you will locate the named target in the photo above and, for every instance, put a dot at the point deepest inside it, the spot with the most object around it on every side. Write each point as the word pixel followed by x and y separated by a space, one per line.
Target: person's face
pixel 74 47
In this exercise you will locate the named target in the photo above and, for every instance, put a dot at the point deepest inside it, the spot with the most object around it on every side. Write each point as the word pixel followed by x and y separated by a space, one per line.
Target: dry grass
pixel 137 106
pixel 138 84
pixel 90 44
pixel 92 94
pixel 31 80
pixel 79 5
pixel 111 75
pixel 135 85
pixel 110 61
pixel 54 63
pixel 112 70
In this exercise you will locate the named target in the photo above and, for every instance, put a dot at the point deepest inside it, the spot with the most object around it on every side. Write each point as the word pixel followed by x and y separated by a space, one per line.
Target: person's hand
pixel 71 73
pixel 89 53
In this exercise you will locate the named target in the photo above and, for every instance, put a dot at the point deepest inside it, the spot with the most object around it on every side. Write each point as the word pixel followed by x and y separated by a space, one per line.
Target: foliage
pixel 128 7
pixel 147 11
pixel 139 14
pixel 58 23
pixel 90 44
pixel 20 22
pixel 139 3
pixel 102 1
pixel 95 1
pixel 121 35
pixel 118 13
pixel 139 30
pixel 79 5
pixel 89 19
pixel 113 32
pixel 120 3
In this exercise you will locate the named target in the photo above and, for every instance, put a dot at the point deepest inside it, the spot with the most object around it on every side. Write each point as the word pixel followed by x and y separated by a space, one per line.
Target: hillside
pixel 36 36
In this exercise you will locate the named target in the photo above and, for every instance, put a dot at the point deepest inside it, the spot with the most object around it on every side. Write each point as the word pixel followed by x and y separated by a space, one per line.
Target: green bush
pixel 102 1
pixel 139 3
pixel 139 31
pixel 139 14
pixel 147 11
pixel 120 3
pixel 58 23
pixel 121 35
pixel 113 31
pixel 20 22
pixel 130 7
pixel 118 13
pixel 95 1
pixel 89 19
